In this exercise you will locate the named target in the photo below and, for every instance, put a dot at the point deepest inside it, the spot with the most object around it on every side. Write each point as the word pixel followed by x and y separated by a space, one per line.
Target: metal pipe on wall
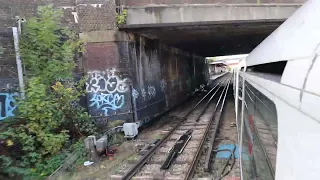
pixel 18 60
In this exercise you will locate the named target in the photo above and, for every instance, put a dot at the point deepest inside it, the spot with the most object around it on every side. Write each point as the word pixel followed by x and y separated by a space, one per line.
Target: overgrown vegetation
pixel 35 142
pixel 116 138
pixel 121 18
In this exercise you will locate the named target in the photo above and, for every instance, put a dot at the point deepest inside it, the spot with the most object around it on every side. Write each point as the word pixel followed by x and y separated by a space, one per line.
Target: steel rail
pixel 207 166
pixel 133 170
pixel 196 158
pixel 224 96
pixel 208 93
pixel 206 105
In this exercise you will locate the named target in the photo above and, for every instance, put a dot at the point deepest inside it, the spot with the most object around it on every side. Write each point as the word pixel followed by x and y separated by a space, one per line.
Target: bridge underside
pixel 209 38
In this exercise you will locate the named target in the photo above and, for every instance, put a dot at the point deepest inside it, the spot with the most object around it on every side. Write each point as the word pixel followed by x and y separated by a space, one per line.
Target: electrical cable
pixel 223 174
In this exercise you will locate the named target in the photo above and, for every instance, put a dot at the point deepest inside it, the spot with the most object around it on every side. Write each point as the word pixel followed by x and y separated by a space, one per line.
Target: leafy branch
pixel 121 18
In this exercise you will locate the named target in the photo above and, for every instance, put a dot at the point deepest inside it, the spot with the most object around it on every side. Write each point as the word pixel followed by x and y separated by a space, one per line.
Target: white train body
pixel 284 108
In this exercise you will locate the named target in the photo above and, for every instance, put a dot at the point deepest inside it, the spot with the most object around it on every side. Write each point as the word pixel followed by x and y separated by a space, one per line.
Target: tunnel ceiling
pixel 209 38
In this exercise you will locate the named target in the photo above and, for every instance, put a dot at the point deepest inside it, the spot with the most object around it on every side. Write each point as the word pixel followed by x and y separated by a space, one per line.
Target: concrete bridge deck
pixel 208 27
pixel 186 13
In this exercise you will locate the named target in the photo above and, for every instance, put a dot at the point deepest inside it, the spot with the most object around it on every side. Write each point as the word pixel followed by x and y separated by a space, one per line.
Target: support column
pixel 106 63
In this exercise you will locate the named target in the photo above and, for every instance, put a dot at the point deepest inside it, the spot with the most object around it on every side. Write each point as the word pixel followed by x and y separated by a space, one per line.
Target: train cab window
pixel 259 135
pixel 271 71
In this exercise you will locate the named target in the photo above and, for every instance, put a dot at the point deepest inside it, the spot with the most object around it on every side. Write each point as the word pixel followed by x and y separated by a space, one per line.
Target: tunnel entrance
pixel 168 60
pixel 209 39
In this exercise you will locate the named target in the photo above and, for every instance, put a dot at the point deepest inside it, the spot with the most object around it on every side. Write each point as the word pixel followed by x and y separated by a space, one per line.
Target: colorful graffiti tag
pixel 107 102
pixel 106 81
pixel 7 105
pixel 106 90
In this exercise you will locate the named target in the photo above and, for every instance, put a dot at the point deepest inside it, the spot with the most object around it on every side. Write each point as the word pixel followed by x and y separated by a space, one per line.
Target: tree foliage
pixel 121 18
pixel 50 114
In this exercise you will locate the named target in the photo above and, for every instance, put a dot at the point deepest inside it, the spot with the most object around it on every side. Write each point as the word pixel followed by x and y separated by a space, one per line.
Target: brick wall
pixel 96 17
pixel 7 54
pixel 24 9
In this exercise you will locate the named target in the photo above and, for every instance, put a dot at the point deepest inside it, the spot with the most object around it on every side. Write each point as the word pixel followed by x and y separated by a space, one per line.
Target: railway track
pixel 198 122
pixel 218 159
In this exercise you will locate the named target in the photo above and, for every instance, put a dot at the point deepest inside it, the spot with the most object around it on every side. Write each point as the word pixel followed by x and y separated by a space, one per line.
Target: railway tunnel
pixel 166 45
pixel 208 29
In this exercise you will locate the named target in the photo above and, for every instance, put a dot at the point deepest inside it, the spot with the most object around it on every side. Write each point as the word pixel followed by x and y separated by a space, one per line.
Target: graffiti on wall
pixel 146 93
pixel 7 105
pixel 135 94
pixel 163 85
pixel 106 90
pixel 151 91
pixel 106 81
pixel 143 93
pixel 107 102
